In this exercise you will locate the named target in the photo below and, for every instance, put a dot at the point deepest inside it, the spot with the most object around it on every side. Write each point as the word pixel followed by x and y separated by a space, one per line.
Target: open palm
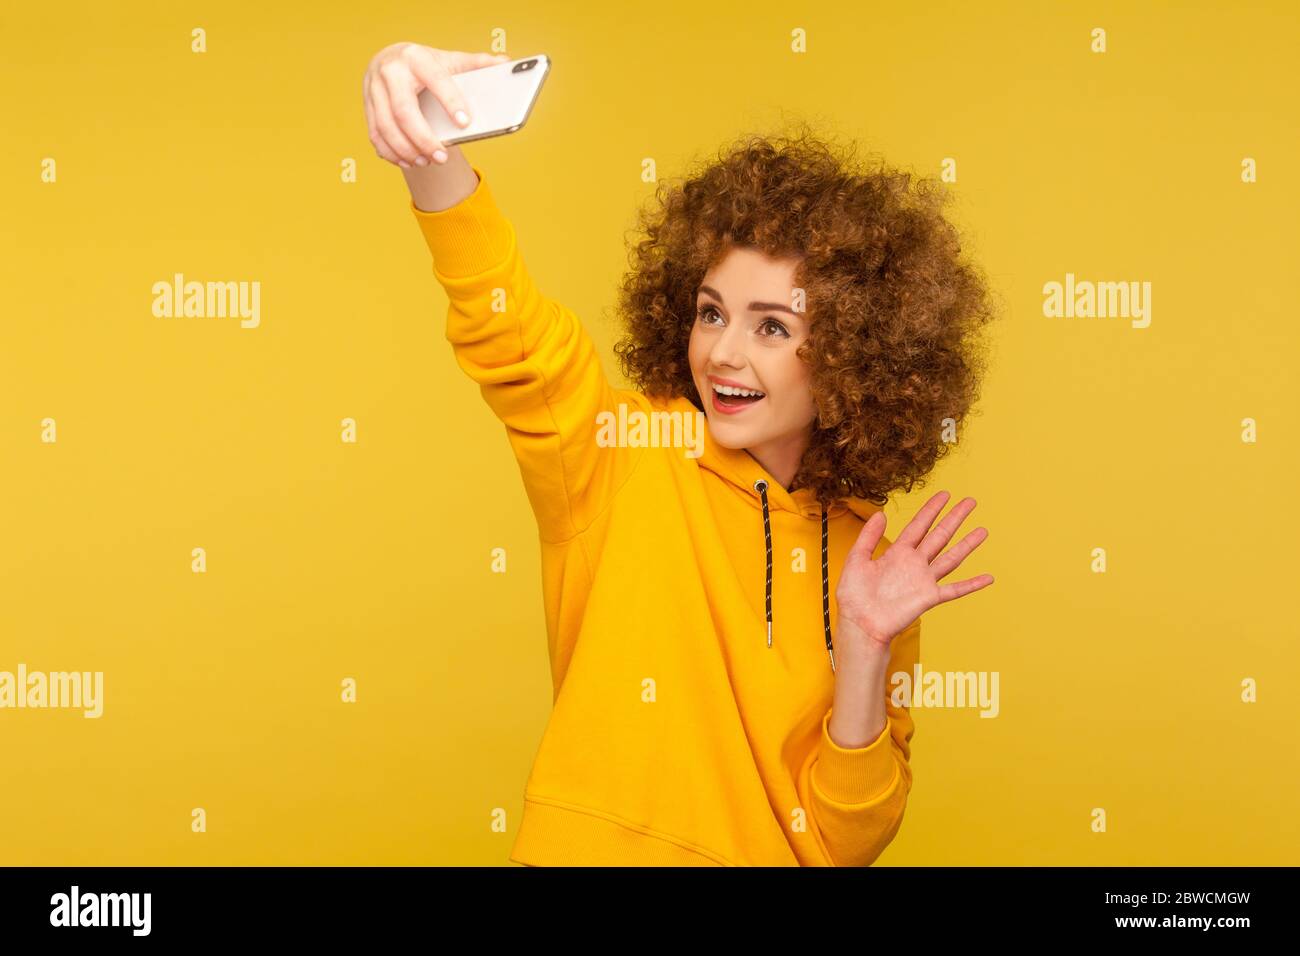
pixel 881 596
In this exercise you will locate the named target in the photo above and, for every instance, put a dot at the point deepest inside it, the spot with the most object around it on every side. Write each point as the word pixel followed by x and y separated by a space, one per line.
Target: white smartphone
pixel 500 98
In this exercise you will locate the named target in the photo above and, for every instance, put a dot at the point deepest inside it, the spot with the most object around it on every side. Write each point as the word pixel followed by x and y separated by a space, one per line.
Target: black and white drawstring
pixel 761 487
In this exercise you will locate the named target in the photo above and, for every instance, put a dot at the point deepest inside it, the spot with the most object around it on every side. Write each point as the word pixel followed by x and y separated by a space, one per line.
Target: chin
pixel 730 434
pixel 730 439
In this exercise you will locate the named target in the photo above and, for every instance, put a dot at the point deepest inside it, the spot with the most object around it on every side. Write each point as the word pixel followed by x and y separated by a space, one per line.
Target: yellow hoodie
pixel 687 623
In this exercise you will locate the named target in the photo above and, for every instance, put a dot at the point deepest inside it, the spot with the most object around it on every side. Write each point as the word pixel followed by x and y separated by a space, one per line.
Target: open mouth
pixel 731 397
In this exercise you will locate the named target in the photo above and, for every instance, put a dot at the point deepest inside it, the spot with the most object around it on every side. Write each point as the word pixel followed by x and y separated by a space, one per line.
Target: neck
pixel 780 458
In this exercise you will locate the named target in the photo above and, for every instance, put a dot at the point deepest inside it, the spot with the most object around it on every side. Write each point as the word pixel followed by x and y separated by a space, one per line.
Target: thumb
pixel 868 537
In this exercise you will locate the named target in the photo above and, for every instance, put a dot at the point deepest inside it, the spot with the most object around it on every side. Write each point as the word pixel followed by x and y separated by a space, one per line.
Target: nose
pixel 729 347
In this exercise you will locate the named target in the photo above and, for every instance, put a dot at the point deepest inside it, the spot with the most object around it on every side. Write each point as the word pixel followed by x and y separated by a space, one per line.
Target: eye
pixel 702 311
pixel 781 332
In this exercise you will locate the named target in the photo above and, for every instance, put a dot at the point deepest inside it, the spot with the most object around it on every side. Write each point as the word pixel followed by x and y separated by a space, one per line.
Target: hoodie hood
pixel 753 482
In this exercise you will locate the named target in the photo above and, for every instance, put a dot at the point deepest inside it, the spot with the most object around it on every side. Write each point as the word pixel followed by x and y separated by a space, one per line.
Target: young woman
pixel 722 608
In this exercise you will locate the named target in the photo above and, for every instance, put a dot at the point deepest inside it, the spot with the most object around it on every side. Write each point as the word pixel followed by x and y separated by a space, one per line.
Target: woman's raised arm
pixel 534 361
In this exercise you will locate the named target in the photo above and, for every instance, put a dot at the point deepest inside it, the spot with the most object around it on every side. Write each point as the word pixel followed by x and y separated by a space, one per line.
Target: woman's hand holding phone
pixel 398 129
pixel 391 87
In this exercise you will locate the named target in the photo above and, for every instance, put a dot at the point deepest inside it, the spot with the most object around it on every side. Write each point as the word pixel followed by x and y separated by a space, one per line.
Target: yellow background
pixel 328 560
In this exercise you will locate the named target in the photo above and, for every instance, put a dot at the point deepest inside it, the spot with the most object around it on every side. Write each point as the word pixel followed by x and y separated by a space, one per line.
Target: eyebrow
pixel 753 306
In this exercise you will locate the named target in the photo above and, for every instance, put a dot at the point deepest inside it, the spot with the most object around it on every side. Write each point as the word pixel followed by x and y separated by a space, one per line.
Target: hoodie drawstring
pixel 761 487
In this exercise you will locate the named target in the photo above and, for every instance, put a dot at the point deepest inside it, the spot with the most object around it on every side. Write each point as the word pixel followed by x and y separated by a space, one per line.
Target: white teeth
pixel 729 390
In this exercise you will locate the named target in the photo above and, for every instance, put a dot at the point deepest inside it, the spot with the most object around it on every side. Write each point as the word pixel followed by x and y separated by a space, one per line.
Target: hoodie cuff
pixel 468 238
pixel 855 775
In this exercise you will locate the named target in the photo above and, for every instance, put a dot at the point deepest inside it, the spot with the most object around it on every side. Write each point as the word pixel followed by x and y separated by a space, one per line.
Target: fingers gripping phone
pixel 500 98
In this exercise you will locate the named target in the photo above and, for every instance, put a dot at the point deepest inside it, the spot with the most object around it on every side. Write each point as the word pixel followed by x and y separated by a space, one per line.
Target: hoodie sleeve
pixel 857 796
pixel 533 360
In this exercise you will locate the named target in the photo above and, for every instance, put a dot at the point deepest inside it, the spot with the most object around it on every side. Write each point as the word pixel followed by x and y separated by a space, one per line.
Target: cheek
pixel 795 382
pixel 694 349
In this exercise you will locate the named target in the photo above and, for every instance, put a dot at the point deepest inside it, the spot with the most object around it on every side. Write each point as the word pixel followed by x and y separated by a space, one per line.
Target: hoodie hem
pixel 556 833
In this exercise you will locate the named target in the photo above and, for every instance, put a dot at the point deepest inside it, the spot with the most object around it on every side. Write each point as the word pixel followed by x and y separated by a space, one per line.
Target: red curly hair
pixel 894 346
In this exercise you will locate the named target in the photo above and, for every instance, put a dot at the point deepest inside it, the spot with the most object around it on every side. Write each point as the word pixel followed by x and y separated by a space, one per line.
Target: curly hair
pixel 894 348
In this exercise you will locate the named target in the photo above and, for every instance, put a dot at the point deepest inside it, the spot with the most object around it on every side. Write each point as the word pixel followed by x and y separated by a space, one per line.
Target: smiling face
pixel 746 334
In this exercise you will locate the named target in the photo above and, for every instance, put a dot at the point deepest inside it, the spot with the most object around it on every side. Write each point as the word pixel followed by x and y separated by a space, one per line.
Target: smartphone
pixel 500 97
